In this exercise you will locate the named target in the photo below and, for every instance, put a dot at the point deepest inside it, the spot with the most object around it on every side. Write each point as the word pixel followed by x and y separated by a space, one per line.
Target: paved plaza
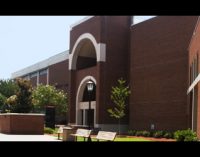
pixel 6 137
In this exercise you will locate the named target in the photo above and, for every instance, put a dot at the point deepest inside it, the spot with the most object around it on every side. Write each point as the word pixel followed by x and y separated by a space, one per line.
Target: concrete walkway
pixel 7 137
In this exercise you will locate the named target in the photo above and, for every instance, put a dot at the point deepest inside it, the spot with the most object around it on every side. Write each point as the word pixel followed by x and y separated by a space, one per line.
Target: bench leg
pixel 58 136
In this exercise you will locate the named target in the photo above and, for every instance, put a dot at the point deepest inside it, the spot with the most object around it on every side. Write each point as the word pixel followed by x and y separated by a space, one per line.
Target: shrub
pixel 45 95
pixel 168 135
pixel 132 132
pixel 185 135
pixel 48 130
pixel 158 134
pixel 146 134
pixel 139 133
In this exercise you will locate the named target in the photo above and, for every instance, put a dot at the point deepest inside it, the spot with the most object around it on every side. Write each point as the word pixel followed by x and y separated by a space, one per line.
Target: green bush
pixel 158 134
pixel 139 133
pixel 45 95
pixel 168 135
pixel 132 132
pixel 146 133
pixel 48 130
pixel 185 135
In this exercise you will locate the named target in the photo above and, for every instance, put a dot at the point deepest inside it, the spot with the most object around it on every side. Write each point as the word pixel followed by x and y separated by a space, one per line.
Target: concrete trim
pixel 80 21
pixel 38 78
pixel 43 64
pixel 100 49
pixel 194 33
pixel 195 82
pixel 22 114
pixel 48 76
pixel 85 105
pixel 101 52
pixel 79 95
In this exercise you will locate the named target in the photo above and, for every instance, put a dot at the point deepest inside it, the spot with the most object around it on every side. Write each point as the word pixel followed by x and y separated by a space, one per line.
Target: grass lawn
pixel 119 139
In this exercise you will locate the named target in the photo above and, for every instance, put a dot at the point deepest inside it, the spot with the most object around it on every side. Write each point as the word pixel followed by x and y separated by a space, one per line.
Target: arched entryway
pixel 86 50
pixel 82 103
pixel 83 66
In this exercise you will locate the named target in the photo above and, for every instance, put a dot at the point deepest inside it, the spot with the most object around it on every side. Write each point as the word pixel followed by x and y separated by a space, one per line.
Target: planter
pixel 22 123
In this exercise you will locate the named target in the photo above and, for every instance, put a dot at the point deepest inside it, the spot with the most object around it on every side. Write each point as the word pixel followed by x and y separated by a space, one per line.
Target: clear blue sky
pixel 26 40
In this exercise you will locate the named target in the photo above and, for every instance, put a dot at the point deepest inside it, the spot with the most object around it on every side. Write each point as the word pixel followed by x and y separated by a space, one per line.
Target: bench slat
pixel 82 133
pixel 104 135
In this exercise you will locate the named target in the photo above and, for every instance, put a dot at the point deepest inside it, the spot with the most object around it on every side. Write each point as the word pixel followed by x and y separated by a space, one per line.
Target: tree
pixel 8 88
pixel 45 95
pixel 23 97
pixel 119 95
pixel 2 101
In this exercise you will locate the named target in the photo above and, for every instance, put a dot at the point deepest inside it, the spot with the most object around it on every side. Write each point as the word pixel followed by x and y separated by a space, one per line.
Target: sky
pixel 26 40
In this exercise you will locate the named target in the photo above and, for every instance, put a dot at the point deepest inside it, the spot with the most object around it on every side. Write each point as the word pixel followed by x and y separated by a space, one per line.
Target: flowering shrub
pixel 44 95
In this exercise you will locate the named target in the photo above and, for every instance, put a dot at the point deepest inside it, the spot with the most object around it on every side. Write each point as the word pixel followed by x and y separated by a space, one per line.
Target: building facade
pixel 51 71
pixel 157 57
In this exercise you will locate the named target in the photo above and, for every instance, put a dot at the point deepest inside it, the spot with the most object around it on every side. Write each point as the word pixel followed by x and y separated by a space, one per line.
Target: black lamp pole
pixel 89 111
pixel 90 88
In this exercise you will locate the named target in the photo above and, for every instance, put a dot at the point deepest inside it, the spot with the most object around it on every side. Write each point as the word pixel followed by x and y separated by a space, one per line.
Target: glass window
pixel 33 75
pixel 43 72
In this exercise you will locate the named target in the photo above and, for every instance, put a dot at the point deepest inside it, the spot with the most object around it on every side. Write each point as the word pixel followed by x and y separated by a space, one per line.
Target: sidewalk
pixel 7 137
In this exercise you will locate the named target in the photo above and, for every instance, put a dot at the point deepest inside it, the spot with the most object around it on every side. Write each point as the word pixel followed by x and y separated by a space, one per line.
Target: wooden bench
pixel 82 133
pixel 105 135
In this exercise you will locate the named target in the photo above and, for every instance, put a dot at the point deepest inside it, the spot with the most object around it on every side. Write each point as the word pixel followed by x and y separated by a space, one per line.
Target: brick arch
pixel 79 95
pixel 100 50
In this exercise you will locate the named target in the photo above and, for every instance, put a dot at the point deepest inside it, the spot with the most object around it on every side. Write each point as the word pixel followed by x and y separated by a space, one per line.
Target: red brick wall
pixel 21 124
pixel 114 32
pixel 193 51
pixel 92 26
pixel 59 75
pixel 159 72
pixel 34 81
pixel 4 124
pixel 43 79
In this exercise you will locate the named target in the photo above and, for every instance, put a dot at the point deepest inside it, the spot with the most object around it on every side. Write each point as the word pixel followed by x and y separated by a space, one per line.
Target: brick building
pixel 51 71
pixel 157 57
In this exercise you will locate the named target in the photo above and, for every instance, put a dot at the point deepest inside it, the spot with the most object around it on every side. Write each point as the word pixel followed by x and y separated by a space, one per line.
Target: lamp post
pixel 90 86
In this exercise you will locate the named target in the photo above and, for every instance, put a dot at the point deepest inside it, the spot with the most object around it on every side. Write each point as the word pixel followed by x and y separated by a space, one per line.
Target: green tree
pixel 23 96
pixel 45 95
pixel 119 95
pixel 8 88
pixel 2 101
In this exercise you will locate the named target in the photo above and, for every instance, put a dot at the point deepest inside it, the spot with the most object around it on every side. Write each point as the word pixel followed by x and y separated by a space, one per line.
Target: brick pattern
pixel 193 53
pixel 159 73
pixel 104 29
pixel 20 124
pixel 59 75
